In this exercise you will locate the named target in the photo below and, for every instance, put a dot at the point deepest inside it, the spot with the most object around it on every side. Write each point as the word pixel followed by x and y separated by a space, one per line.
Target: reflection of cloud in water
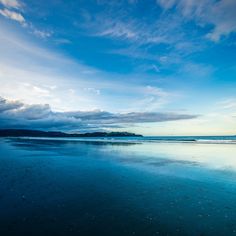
pixel 211 156
pixel 156 162
pixel 106 150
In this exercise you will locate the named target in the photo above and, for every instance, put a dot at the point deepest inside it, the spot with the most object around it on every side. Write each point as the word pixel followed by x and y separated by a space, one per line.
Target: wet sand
pixel 50 187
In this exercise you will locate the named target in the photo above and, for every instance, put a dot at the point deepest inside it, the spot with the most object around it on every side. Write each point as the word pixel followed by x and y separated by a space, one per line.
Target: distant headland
pixel 40 133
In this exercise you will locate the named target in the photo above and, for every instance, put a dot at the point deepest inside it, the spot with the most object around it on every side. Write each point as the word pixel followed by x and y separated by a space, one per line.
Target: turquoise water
pixel 117 187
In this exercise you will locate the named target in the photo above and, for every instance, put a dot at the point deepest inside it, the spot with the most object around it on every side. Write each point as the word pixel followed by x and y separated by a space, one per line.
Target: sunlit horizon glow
pixel 149 67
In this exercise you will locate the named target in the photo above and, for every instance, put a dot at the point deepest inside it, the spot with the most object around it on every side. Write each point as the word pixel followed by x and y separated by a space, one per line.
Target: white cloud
pixel 120 25
pixel 93 90
pixel 11 4
pixel 40 33
pixel 118 29
pixel 223 18
pixel 220 14
pixel 17 16
pixel 228 104
pixel 12 15
pixel 166 4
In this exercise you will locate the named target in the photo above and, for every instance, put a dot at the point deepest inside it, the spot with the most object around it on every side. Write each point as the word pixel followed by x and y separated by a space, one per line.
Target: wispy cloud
pixel 13 10
pixel 13 15
pixel 118 30
pixel 229 103
pixel 152 45
pixel 88 88
pixel 223 18
pixel 11 4
pixel 41 33
pixel 196 70
pixel 62 41
pixel 170 28
pixel 153 99
pixel 34 70
pixel 160 31
pixel 219 14
pixel 14 114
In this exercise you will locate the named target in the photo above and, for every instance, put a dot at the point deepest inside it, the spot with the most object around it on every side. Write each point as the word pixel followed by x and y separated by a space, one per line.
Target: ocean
pixel 118 186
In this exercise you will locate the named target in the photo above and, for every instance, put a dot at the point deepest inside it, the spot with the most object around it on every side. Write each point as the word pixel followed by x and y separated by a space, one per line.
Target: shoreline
pixel 134 140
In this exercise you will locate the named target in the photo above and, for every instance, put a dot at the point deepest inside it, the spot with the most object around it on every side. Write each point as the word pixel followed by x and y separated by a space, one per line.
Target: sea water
pixel 118 186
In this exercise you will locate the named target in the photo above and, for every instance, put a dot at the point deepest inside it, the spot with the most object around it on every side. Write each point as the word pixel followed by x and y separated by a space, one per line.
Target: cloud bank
pixel 15 114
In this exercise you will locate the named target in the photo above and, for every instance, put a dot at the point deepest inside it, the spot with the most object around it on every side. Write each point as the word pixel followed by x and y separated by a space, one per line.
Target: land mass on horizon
pixel 40 133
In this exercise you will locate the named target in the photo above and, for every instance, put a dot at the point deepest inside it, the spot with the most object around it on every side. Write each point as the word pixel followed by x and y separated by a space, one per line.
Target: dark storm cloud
pixel 14 114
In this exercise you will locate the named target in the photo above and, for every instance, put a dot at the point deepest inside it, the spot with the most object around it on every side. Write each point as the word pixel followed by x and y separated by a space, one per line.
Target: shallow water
pixel 68 187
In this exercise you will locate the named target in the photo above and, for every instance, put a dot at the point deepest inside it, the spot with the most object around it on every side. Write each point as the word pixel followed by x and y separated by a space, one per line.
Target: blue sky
pixel 163 67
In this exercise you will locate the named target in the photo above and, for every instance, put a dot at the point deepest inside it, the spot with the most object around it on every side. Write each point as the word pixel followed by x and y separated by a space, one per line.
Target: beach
pixel 116 187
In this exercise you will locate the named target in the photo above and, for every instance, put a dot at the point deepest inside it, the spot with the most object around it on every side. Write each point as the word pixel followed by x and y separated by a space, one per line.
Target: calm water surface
pixel 69 187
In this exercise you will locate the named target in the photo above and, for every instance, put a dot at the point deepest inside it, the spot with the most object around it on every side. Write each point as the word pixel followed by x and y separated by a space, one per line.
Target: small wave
pixel 216 141
pixel 170 140
pixel 144 140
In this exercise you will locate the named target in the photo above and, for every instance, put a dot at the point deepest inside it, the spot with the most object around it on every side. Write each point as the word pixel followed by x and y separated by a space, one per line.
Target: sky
pixel 153 67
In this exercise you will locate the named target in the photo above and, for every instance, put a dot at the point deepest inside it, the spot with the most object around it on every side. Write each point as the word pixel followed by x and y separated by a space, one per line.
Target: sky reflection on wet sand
pixel 71 188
